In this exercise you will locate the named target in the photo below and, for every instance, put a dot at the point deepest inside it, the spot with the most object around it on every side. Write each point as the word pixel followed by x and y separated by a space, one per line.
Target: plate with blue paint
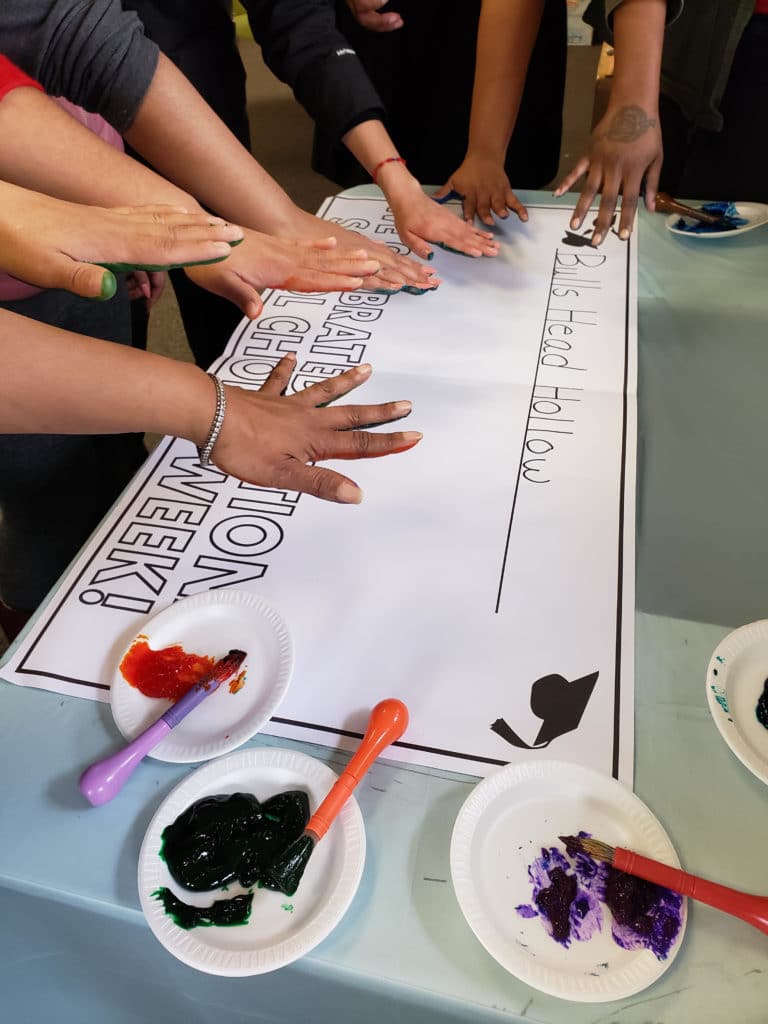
pixel 736 219
pixel 737 693
pixel 549 918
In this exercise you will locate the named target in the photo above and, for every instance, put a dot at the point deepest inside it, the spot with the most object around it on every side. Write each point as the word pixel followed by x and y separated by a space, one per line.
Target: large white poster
pixel 487 579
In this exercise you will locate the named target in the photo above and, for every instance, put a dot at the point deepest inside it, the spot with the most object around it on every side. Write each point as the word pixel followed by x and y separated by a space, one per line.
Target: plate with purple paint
pixel 737 692
pixel 550 918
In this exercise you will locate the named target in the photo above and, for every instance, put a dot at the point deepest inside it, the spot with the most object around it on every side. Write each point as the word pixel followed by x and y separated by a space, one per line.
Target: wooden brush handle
pixel 666 204
pixel 753 909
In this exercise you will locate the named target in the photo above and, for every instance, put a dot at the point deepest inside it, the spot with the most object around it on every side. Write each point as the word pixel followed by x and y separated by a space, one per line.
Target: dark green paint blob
pixel 220 840
pixel 761 711
pixel 221 912
pixel 126 268
pixel 411 289
pixel 456 252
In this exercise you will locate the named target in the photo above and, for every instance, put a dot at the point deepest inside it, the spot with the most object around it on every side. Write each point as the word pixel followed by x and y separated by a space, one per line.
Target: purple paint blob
pixel 567 902
pixel 645 916
pixel 569 893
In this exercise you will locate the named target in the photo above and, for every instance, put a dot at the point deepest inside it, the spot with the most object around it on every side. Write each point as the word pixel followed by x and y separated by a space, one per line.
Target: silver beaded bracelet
pixel 218 419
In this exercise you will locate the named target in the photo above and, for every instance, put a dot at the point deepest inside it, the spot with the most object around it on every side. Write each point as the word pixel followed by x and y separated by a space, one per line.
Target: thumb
pixel 85 279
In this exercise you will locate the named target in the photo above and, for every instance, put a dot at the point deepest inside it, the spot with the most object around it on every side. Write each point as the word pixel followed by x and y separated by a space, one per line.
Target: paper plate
pixel 212 623
pixel 736 675
pixel 501 829
pixel 280 929
pixel 755 214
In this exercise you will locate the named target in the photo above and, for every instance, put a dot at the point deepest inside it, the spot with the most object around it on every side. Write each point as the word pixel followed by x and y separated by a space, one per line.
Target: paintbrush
pixel 104 779
pixel 750 908
pixel 388 722
pixel 666 204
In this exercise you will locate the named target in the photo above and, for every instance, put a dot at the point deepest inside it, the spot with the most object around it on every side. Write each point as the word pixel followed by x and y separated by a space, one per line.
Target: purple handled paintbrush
pixel 104 779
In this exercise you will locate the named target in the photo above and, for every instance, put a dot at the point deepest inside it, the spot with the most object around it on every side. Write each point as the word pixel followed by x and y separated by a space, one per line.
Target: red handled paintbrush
pixel 750 908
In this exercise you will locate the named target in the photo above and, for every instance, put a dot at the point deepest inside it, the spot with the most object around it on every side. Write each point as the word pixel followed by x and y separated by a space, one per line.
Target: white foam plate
pixel 755 214
pixel 501 829
pixel 280 929
pixel 211 624
pixel 736 675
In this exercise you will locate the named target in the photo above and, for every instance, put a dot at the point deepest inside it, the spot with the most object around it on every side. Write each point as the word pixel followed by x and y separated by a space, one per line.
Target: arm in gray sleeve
pixel 88 51
pixel 303 48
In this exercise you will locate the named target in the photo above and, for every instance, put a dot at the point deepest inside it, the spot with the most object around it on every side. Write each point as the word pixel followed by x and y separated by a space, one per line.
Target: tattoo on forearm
pixel 629 124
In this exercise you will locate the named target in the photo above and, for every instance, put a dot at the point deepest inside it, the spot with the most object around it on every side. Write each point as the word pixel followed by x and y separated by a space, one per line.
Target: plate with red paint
pixel 195 632
pixel 504 851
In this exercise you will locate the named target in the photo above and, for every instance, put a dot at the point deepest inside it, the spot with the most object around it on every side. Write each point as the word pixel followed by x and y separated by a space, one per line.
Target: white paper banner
pixel 487 579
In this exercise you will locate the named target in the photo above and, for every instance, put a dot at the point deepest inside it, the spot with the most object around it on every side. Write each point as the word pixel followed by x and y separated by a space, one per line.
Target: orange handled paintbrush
pixel 388 722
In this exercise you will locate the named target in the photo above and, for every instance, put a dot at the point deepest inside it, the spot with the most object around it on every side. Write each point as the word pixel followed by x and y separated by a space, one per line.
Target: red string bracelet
pixel 389 160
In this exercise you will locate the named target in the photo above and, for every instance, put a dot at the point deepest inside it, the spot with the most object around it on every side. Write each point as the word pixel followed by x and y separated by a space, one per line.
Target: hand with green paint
pixel 55 244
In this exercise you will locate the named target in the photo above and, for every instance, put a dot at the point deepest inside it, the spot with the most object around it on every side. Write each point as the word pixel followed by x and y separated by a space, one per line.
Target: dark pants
pixel 731 164
pixel 55 489
pixel 199 37
pixel 424 74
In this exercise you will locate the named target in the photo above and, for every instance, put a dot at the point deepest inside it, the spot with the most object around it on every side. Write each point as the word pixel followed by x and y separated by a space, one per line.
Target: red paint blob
pixel 168 673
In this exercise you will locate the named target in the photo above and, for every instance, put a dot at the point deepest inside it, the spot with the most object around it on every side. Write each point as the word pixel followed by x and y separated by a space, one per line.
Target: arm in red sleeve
pixel 12 77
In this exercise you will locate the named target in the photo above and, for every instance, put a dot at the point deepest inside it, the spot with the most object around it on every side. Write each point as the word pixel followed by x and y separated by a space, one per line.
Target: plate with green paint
pixel 237 929
pixel 737 693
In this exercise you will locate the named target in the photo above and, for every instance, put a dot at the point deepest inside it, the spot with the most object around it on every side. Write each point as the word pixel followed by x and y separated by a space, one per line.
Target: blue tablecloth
pixel 73 943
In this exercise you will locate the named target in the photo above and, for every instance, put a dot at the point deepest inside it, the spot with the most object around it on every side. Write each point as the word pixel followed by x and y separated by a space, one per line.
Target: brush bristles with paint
pixel 746 906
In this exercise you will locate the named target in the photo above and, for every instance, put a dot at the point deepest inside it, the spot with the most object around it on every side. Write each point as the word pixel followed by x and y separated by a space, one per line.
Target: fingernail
pixel 596 239
pixel 223 247
pixel 290 355
pixel 349 493
pixel 575 222
pixel 412 436
pixel 108 286
pixel 364 369
pixel 624 234
pixel 403 408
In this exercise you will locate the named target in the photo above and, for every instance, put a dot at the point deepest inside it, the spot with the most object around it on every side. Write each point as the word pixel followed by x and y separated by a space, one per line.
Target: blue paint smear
pixel 730 220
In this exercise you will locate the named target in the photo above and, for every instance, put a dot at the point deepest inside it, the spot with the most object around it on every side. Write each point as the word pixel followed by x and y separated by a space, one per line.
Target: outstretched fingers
pixel 335 387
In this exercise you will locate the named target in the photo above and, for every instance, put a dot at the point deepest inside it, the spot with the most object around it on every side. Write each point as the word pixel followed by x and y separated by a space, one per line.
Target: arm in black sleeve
pixel 88 51
pixel 303 48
